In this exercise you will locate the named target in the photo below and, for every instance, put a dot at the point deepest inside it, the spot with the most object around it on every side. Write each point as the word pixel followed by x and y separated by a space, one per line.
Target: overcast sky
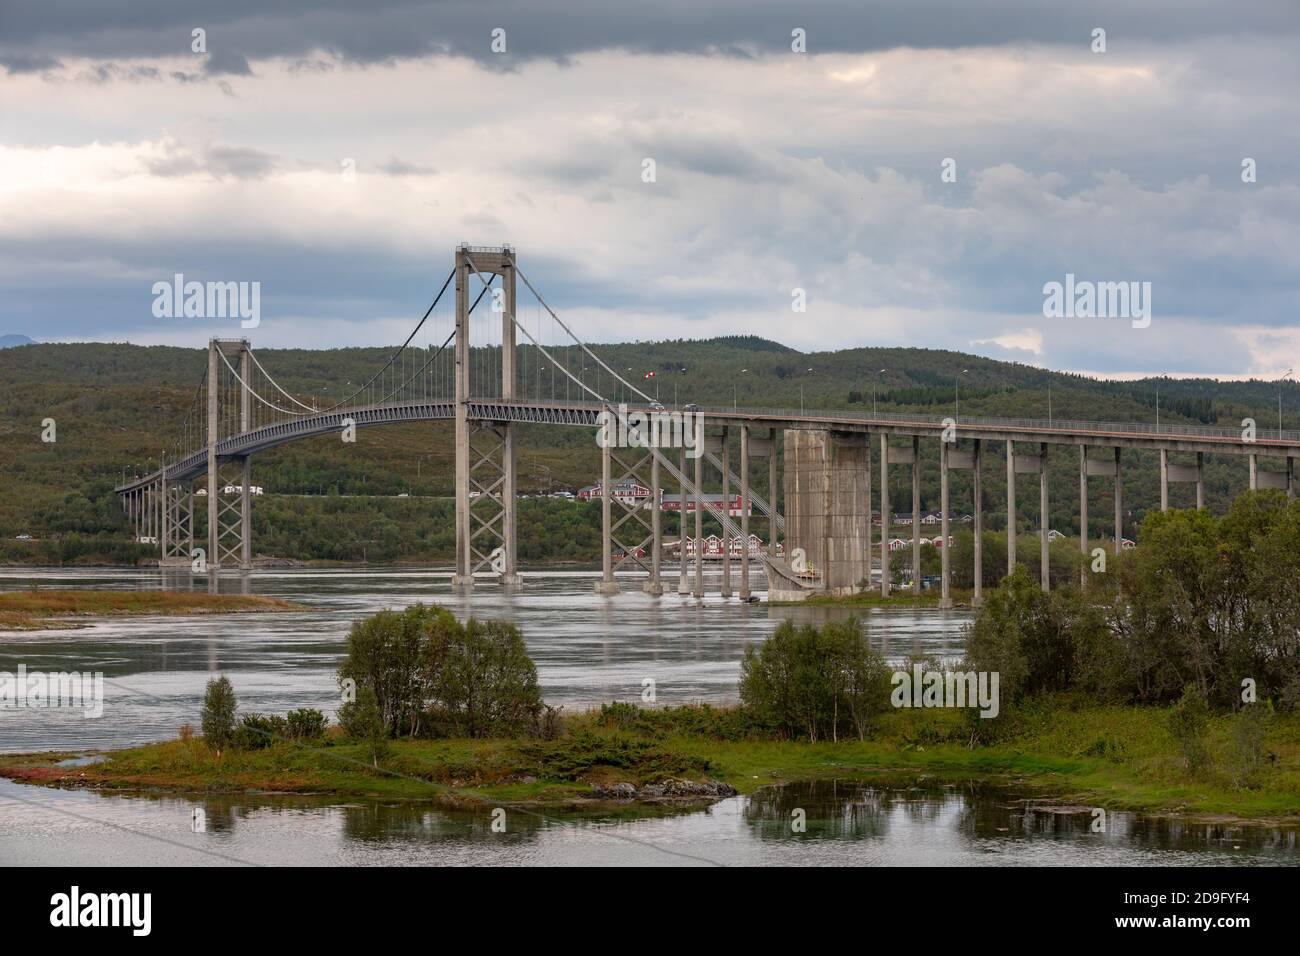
pixel 126 158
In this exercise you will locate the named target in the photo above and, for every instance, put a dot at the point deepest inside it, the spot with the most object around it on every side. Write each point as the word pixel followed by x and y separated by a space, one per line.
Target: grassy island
pixel 43 608
pixel 1061 750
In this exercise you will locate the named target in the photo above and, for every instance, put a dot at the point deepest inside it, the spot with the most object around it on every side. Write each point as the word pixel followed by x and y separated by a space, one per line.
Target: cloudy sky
pixel 125 157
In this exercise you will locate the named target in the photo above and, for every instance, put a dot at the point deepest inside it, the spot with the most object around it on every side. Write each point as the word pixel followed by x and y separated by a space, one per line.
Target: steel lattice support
pixel 228 538
pixel 178 524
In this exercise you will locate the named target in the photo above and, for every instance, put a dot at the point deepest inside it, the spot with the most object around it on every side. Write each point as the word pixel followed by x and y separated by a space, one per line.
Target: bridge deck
pixel 1108 434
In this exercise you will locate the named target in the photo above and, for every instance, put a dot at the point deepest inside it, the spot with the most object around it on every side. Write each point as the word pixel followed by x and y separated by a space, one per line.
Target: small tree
pixel 362 720
pixel 1188 721
pixel 219 714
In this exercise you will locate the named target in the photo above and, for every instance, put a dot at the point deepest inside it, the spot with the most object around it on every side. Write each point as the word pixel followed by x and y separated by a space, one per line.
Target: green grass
pixel 1118 757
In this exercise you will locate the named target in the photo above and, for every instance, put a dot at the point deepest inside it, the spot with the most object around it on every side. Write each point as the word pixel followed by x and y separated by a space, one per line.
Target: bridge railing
pixel 1146 429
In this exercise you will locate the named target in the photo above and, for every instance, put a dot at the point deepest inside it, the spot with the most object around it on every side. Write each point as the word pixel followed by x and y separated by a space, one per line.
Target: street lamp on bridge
pixel 1279 401
pixel 956 387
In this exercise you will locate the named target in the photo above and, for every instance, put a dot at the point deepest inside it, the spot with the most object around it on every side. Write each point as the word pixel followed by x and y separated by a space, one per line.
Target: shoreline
pixel 1055 763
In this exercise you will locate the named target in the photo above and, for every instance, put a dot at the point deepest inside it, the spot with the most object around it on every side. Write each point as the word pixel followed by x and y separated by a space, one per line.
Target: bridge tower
pixel 485 449
pixel 229 515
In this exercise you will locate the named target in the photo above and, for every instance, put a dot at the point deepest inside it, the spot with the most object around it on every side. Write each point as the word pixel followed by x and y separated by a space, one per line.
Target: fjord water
pixel 589 649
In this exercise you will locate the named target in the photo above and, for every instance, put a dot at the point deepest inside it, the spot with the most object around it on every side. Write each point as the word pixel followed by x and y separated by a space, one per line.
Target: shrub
pixel 433 676
pixel 802 681
pixel 186 733
pixel 1246 757
pixel 1188 722
pixel 305 724
pixel 257 732
pixel 218 714
pixel 363 720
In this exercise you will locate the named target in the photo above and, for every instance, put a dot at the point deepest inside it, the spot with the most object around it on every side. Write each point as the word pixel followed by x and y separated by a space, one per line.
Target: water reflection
pixel 848 823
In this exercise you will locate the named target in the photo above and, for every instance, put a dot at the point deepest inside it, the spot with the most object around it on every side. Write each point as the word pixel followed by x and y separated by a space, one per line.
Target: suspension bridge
pixel 489 363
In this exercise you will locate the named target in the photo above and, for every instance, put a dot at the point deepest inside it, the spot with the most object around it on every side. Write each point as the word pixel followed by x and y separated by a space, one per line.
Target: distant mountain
pixel 9 341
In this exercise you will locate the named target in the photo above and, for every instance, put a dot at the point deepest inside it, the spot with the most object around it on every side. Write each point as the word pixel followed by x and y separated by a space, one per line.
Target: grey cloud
pixel 400 167
pixel 382 30
pixel 219 162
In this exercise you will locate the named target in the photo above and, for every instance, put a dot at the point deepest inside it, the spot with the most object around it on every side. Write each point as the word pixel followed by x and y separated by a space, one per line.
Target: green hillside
pixel 117 407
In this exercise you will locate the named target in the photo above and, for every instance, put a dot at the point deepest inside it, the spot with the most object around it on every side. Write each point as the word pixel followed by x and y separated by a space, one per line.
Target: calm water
pixel 847 824
pixel 588 650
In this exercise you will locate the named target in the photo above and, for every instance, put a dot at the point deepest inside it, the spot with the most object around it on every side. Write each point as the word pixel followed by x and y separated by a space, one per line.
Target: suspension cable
pixel 393 357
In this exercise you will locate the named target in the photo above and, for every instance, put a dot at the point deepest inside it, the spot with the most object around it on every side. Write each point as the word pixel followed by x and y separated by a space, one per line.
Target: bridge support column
pixel 1044 521
pixel 683 583
pixel 916 516
pixel 744 512
pixel 246 515
pixel 824 506
pixel 464 574
pixel 1290 477
pixel 1164 479
pixel 1011 508
pixel 884 514
pixel 214 487
pixel 1083 516
pixel 945 594
pixel 1254 473
pixel 977 481
pixel 771 496
pixel 726 508
pixel 1119 505
pixel 655 585
pixel 1200 480
pixel 606 584
pixel 698 589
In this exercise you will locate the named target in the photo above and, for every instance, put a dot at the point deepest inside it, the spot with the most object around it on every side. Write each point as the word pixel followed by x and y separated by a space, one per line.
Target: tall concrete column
pixel 246 496
pixel 698 589
pixel 1254 473
pixel 1200 481
pixel 744 512
pixel 164 538
pixel 771 495
pixel 978 493
pixel 1164 479
pixel 1290 477
pixel 1119 505
pixel 866 482
pixel 682 586
pixel 509 503
pixel 726 507
pixel 463 577
pixel 916 516
pixel 884 514
pixel 214 375
pixel 1011 508
pixel 945 596
pixel 1044 521
pixel 1083 515
pixel 607 584
pixel 655 584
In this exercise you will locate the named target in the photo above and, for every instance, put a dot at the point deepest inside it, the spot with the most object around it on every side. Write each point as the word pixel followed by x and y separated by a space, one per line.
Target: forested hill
pixel 117 406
